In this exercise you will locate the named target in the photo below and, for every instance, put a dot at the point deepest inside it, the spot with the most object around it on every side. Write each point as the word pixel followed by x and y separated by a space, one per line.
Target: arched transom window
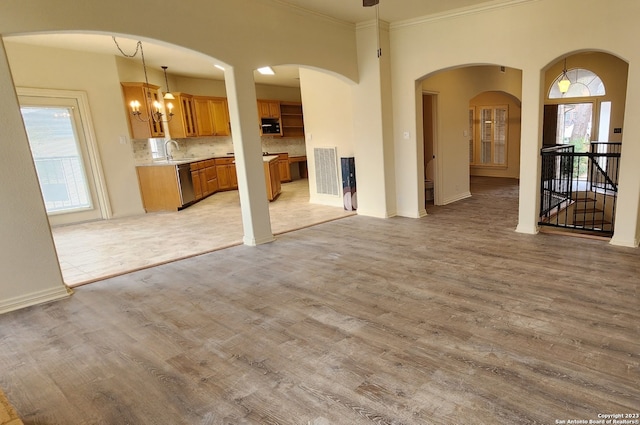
pixel 584 83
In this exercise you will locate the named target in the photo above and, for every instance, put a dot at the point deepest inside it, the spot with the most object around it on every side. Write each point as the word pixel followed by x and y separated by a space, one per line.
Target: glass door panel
pixel 60 155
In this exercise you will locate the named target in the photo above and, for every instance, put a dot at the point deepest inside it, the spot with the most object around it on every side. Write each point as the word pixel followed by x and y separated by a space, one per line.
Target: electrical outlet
pixel 617 130
pixel 123 140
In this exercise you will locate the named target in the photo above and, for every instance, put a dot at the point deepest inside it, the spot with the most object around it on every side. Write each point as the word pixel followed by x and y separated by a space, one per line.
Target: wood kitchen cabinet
pixel 211 176
pixel 284 167
pixel 212 116
pixel 159 187
pixel 272 178
pixel 268 108
pixel 145 95
pixel 183 123
pixel 197 178
pixel 226 173
pixel 204 178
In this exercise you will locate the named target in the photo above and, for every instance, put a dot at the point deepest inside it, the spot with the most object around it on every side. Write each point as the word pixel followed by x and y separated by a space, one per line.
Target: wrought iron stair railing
pixel 578 190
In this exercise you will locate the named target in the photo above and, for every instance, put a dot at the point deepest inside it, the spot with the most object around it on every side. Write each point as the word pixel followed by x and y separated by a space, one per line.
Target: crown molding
pixel 372 24
pixel 471 10
pixel 311 13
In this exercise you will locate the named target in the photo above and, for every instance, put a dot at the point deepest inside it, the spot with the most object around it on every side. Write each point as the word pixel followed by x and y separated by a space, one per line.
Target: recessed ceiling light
pixel 220 67
pixel 266 70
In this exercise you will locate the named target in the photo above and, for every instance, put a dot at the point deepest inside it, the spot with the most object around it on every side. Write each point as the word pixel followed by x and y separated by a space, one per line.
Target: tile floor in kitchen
pixel 96 250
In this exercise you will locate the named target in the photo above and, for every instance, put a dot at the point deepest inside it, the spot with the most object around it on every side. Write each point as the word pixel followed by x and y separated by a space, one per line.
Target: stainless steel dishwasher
pixel 187 194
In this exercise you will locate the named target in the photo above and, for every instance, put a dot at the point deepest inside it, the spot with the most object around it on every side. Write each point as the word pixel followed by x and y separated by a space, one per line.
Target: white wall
pixel 528 36
pixel 248 35
pixel 328 122
pixel 373 126
pixel 41 67
pixel 30 271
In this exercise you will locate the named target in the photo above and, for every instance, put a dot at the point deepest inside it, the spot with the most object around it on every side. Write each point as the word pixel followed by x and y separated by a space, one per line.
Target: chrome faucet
pixel 166 148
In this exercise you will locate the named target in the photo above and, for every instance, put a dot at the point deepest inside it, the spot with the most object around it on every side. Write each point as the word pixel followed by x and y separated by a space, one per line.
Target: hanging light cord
pixel 378 28
pixel 138 47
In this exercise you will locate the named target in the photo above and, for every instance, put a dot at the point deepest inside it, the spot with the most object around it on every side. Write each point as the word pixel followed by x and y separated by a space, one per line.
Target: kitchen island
pixel 171 185
pixel 272 176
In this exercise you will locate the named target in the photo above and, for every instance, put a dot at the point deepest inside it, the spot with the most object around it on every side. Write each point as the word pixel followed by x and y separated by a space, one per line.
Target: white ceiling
pixel 188 63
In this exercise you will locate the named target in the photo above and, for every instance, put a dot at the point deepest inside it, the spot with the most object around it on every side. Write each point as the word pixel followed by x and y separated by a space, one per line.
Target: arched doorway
pixel 584 105
pixel 455 126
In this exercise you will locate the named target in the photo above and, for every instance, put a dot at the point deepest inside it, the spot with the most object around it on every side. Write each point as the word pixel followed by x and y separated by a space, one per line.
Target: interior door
pixel 61 157
pixel 428 120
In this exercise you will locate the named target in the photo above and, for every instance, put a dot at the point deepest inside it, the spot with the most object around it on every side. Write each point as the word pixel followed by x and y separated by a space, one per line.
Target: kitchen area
pixel 197 160
pixel 134 234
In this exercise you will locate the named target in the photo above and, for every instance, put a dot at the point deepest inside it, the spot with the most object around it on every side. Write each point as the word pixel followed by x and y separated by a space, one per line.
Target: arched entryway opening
pixel 459 97
pixel 99 69
pixel 584 107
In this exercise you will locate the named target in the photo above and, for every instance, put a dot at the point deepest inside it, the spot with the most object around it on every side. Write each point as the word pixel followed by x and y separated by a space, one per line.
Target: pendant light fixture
pixel 564 83
pixel 153 106
pixel 167 95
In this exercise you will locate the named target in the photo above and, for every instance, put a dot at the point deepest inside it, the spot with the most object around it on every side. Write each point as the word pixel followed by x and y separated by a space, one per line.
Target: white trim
pixel 623 241
pixel 372 24
pixel 35 298
pixel 255 242
pixel 456 198
pixel 303 11
pixel 89 135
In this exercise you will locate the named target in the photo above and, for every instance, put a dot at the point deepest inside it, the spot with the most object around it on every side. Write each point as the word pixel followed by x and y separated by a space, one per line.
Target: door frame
pixel 85 126
pixel 437 178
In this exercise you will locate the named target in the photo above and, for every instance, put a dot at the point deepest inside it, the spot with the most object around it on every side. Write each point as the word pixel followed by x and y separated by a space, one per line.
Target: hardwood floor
pixel 96 250
pixel 449 319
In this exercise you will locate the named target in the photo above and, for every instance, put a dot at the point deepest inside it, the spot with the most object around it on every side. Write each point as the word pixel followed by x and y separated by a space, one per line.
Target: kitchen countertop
pixel 178 161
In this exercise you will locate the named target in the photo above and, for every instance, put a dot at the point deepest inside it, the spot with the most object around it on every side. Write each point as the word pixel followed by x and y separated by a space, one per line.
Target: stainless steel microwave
pixel 270 126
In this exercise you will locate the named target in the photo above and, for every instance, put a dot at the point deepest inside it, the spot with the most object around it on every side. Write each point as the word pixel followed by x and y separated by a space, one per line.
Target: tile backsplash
pixel 213 146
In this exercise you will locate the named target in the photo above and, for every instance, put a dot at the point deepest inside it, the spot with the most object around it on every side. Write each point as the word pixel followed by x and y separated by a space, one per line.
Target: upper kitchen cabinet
pixel 212 116
pixel 269 108
pixel 145 96
pixel 292 119
pixel 183 123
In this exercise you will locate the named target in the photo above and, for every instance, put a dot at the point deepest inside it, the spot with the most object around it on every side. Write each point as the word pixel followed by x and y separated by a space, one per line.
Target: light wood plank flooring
pixel 449 319
pixel 96 250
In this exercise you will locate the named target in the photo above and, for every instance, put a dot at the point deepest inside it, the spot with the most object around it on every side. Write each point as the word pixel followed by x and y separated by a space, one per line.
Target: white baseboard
pixel 34 298
pixel 258 241
pixel 622 241
pixel 456 198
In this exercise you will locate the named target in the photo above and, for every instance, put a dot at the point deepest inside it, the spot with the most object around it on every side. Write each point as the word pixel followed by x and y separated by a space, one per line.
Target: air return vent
pixel 326 161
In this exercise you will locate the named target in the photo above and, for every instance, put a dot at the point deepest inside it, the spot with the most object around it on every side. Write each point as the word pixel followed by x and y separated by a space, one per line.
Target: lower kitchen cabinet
pixel 284 167
pixel 272 177
pixel 159 187
pixel 211 176
pixel 204 177
pixel 226 173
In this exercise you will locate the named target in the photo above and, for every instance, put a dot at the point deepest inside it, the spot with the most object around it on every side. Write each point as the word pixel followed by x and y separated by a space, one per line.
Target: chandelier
pixel 564 83
pixel 153 106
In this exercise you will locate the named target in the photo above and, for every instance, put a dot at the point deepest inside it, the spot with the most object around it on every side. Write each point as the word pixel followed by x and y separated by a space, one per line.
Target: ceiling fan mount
pixel 369 3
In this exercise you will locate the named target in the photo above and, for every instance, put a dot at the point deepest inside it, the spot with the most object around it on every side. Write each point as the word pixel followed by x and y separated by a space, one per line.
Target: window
pixel 490 148
pixel 584 83
pixel 65 154
pixel 472 118
pixel 57 157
